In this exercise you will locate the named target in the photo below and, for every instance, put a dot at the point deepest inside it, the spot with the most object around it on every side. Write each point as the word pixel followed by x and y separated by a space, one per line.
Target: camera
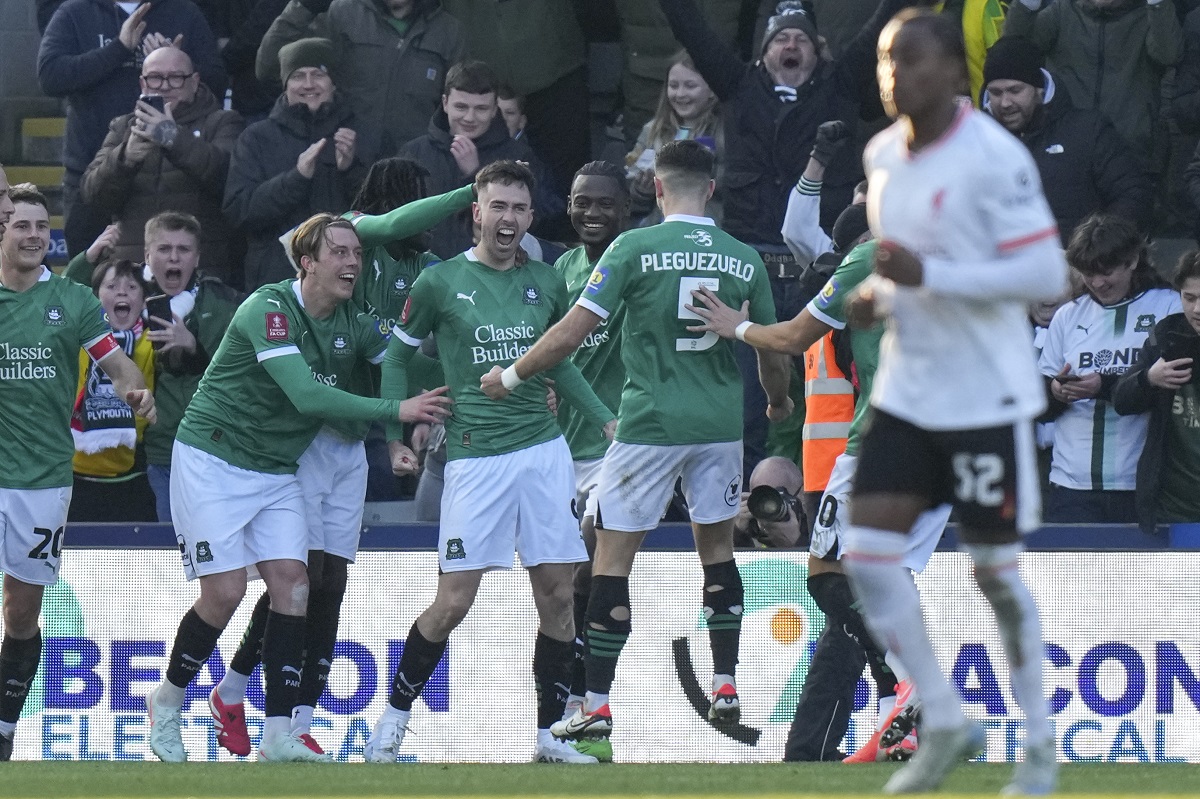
pixel 770 504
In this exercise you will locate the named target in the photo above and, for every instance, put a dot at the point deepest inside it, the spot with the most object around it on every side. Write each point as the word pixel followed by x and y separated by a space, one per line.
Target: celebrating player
pixel 44 321
pixel 680 416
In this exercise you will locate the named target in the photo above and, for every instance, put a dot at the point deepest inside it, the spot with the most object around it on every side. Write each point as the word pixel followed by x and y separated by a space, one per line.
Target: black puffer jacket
pixel 767 141
pixel 267 196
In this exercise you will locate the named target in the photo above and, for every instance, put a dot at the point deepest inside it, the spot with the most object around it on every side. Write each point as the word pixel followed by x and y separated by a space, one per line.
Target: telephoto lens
pixel 768 504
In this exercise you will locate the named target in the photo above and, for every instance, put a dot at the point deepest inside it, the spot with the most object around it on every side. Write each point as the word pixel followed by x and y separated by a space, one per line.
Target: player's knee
pixel 21 612
pixel 222 599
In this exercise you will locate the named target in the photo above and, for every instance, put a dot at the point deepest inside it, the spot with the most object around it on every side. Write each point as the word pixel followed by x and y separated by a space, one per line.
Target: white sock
pixel 896 666
pixel 276 727
pixel 7 728
pixel 400 717
pixel 886 705
pixel 999 577
pixel 170 695
pixel 593 702
pixel 720 680
pixel 545 738
pixel 232 687
pixel 574 699
pixel 874 562
pixel 302 719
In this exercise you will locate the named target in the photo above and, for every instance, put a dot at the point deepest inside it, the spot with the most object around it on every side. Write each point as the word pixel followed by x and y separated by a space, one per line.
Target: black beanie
pixel 308 53
pixel 850 225
pixel 789 15
pixel 1015 58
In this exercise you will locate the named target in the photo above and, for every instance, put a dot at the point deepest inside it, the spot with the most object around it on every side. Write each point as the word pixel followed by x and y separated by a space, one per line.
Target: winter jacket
pixel 1134 394
pixel 1085 165
pixel 1110 59
pixel 432 151
pixel 1185 99
pixel 267 196
pixel 189 177
pixel 767 141
pixel 393 81
pixel 530 43
pixel 82 59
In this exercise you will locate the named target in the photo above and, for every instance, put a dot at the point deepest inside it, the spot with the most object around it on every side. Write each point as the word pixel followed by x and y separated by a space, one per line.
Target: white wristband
pixel 509 379
pixel 739 332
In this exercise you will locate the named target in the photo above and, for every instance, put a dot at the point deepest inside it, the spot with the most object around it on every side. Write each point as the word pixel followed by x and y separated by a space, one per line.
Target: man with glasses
pixel 90 54
pixel 169 154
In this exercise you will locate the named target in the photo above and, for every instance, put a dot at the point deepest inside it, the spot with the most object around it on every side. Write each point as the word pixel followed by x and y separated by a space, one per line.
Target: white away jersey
pixel 950 362
pixel 1094 448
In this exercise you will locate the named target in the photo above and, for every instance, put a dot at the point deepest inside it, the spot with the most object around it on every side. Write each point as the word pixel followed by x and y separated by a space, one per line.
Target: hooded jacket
pixel 1084 164
pixel 82 59
pixel 1111 59
pixel 189 177
pixel 392 80
pixel 267 196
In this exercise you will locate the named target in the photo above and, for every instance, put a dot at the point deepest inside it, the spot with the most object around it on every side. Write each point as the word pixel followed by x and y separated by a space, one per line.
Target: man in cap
pixel 1084 163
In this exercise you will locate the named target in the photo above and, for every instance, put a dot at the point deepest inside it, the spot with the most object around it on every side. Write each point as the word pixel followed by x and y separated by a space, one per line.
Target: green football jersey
pixel 41 332
pixel 598 359
pixel 830 307
pixel 682 387
pixel 243 416
pixel 482 318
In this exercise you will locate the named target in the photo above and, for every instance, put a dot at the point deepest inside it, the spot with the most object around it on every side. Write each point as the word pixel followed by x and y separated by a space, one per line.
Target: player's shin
pixel 283 660
pixel 608 629
pixel 19 660
pixel 723 596
pixel 552 661
pixel 417 662
pixel 232 687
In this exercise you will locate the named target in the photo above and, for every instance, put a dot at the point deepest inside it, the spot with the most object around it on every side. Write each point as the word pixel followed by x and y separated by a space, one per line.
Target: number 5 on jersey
pixel 686 286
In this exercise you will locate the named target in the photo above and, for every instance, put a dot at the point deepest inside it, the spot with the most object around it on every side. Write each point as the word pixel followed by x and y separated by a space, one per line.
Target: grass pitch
pixel 415 781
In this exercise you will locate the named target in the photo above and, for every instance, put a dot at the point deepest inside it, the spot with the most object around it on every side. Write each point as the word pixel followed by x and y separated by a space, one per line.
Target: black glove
pixel 831 138
pixel 316 6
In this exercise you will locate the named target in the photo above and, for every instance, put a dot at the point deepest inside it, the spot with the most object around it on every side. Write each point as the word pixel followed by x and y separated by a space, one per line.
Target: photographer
pixel 770 515
pixel 1162 383
pixel 304 158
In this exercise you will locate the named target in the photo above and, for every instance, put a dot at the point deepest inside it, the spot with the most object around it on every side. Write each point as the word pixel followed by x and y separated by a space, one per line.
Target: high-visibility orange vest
pixel 828 411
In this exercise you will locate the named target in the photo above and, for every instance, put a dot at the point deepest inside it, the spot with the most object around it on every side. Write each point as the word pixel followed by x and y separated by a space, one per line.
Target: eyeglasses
pixel 173 81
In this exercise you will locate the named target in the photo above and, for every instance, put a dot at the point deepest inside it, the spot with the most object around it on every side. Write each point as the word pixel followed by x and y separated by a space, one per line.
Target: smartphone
pixel 159 305
pixel 155 101
pixel 1070 378
pixel 1182 344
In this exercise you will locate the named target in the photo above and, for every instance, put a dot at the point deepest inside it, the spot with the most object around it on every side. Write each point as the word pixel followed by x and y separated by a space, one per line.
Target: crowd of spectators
pixel 245 117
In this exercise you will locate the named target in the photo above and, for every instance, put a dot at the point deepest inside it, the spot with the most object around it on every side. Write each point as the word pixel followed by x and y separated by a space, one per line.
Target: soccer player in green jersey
pixel 235 497
pixel 509 480
pixel 680 416
pixel 599 211
pixel 44 321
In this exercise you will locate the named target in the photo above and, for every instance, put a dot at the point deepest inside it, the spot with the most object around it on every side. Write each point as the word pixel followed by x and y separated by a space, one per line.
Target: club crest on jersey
pixel 203 552
pixel 700 237
pixel 597 280
pixel 401 285
pixel 341 345
pixel 55 316
pixel 1144 324
pixel 531 296
pixel 455 549
pixel 826 295
pixel 277 327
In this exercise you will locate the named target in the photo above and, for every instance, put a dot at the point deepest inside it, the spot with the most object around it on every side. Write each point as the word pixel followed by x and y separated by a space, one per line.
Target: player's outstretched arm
pixel 413 218
pixel 313 398
pixel 130 384
pixel 574 388
pixel 550 350
pixel 792 337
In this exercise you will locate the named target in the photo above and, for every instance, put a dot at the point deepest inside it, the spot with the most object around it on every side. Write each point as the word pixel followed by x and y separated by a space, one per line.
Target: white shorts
pixel 31 532
pixel 637 481
pixel 587 480
pixel 333 477
pixel 833 519
pixel 228 518
pixel 518 501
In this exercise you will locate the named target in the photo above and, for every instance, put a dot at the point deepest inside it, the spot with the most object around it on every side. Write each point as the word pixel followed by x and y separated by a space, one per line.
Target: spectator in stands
pixel 201 309
pixel 303 159
pixel 110 463
pixel 1092 341
pixel 649 50
pixel 393 56
pixel 90 55
pixel 239 26
pixel 174 159
pixel 687 109
pixel 512 108
pixel 1162 384
pixel 537 47
pixel 1085 165
pixel 463 136
pixel 1185 99
pixel 1109 55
